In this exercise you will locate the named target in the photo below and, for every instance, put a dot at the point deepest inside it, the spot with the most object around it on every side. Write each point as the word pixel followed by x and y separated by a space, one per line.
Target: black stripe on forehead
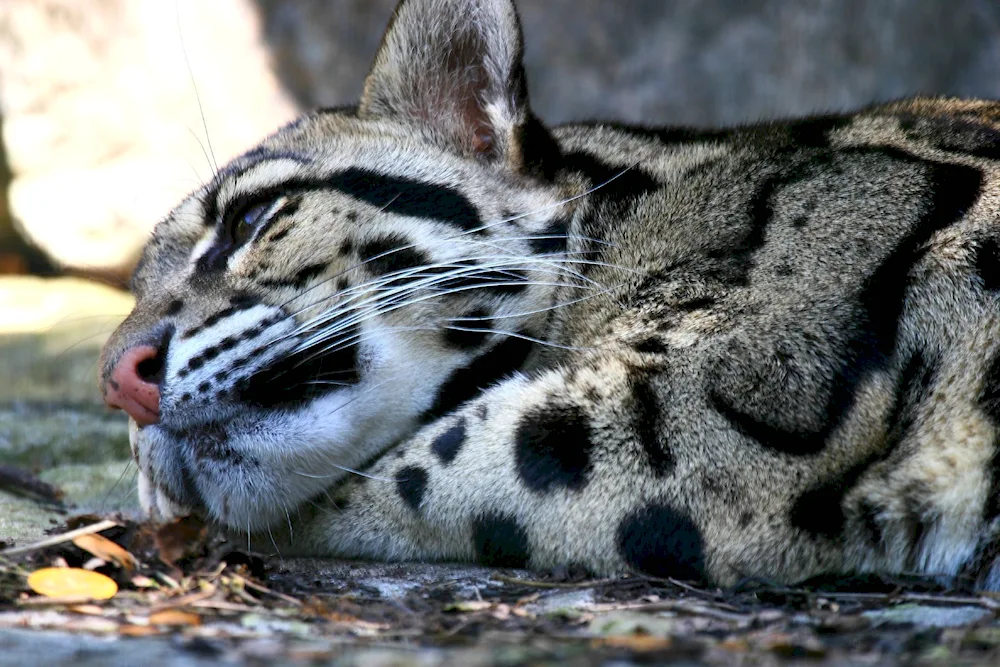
pixel 394 194
pixel 404 196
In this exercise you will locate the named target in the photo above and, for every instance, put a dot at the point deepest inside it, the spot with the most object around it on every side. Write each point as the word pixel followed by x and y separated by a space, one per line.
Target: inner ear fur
pixel 455 68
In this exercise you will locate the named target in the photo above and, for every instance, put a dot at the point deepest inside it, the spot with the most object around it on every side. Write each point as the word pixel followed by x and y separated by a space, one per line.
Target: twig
pixel 49 602
pixel 593 583
pixel 98 527
pixel 228 606
pixel 679 606
pixel 267 591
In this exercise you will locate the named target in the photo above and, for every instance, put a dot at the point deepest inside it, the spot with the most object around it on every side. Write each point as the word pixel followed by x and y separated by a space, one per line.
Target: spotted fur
pixel 430 328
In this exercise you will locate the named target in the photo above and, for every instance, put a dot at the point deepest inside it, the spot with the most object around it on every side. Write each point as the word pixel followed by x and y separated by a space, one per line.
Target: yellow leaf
pixel 63 582
pixel 105 549
pixel 174 617
pixel 138 630
pixel 640 643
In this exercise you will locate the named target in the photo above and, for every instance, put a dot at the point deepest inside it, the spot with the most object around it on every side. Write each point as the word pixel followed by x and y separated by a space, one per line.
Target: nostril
pixel 151 369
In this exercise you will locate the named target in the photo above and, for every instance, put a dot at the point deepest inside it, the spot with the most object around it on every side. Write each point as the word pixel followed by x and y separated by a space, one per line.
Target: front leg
pixel 566 468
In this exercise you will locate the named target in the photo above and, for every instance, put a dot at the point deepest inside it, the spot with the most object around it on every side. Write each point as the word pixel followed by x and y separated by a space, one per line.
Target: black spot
pixel 540 153
pixel 211 442
pixel 989 401
pixel 204 387
pixel 989 396
pixel 447 445
pixel 663 542
pixel 698 303
pixel 299 279
pixel 242 301
pixel 735 259
pixel 784 269
pixel 646 423
pixel 352 216
pixel 500 281
pixel 988 264
pixel 294 379
pixel 402 196
pixel 469 331
pixel 815 132
pixel 552 446
pixel 954 134
pixel 174 308
pixel 237 304
pixel 868 516
pixel 485 370
pixel 114 385
pixel 278 235
pixel 614 183
pixel 482 411
pixel 500 542
pixel 185 397
pixel 411 482
pixel 390 254
pixel 650 345
pixel 675 135
pixel 799 221
pixel 746 518
pixel 346 247
pixel 552 239
pixel 950 191
pixel 820 509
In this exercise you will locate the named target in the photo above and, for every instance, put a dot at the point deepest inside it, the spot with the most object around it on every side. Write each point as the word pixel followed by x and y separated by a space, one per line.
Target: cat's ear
pixel 455 68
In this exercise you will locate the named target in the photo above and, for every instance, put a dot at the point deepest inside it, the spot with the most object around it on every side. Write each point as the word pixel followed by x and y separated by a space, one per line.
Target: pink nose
pixel 130 388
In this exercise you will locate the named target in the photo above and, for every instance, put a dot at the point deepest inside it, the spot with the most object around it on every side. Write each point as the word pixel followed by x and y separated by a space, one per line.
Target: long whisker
pixel 459 270
pixel 346 469
pixel 114 486
pixel 484 227
pixel 213 163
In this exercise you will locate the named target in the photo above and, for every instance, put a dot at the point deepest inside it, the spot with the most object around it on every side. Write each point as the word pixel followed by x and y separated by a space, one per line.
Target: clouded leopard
pixel 429 327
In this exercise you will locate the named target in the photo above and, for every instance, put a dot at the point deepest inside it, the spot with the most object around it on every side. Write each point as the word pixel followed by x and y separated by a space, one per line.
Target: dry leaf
pixel 641 643
pixel 72 582
pixel 105 549
pixel 174 617
pixel 138 631
pixel 88 609
pixel 178 540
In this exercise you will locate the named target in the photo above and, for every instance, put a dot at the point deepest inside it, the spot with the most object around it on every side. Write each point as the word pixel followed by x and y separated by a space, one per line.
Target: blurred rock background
pixel 111 110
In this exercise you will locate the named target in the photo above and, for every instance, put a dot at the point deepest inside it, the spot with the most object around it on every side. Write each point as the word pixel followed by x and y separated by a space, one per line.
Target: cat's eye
pixel 246 221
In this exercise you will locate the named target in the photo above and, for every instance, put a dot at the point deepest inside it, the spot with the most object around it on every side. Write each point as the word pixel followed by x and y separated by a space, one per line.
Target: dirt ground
pixel 189 597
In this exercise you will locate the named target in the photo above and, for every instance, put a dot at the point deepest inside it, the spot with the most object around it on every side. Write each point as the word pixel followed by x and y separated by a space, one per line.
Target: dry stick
pixel 98 527
pixel 568 585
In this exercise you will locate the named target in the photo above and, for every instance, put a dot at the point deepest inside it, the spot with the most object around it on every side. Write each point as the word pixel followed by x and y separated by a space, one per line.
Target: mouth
pixel 244 472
